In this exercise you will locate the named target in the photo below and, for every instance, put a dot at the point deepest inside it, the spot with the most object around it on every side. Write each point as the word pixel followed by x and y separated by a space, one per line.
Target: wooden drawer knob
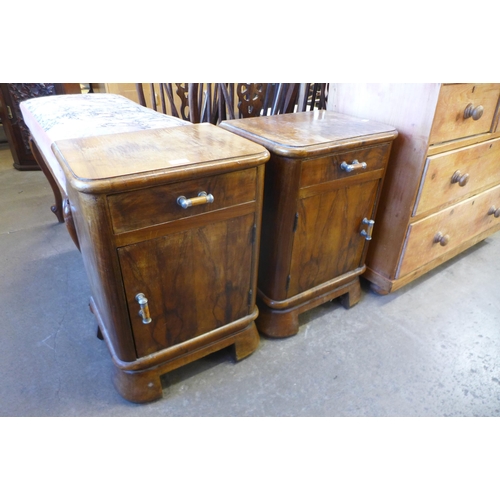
pixel 442 239
pixel 474 112
pixel 461 179
pixel 494 211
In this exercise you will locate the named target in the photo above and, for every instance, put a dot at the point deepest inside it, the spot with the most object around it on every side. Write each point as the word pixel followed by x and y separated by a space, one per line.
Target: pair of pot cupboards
pixel 191 236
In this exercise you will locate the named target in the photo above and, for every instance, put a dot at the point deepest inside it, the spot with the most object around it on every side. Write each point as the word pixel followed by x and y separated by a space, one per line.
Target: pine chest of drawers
pixel 168 223
pixel 322 186
pixel 442 190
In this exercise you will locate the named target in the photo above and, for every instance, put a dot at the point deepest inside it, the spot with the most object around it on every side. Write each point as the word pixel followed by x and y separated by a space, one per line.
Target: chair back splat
pixel 214 102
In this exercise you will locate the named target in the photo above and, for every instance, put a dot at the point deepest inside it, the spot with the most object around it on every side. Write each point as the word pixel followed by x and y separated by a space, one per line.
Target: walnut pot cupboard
pixel 168 222
pixel 322 185
pixel 442 189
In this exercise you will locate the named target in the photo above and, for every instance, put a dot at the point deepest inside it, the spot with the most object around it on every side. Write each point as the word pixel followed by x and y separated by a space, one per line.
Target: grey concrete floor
pixel 429 349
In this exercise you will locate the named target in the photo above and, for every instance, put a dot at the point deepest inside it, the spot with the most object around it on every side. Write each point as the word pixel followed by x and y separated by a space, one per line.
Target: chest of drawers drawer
pixel 441 232
pixel 464 110
pixel 451 176
pixel 157 205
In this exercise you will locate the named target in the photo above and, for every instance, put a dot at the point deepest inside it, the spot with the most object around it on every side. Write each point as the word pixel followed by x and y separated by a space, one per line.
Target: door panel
pixel 327 241
pixel 195 281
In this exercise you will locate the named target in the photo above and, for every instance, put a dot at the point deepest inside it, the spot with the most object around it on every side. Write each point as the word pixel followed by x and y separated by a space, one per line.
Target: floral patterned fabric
pixel 71 116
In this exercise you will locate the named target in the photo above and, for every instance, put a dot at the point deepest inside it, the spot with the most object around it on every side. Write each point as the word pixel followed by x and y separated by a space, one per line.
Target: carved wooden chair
pixel 244 100
pixel 313 95
pixel 193 102
pixel 207 102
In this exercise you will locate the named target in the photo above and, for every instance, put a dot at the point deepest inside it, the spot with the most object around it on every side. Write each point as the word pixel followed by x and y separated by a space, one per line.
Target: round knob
pixel 461 179
pixel 495 212
pixel 442 239
pixel 475 112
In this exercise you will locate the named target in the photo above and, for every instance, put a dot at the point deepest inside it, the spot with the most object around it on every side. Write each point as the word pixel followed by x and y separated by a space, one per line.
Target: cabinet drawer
pixel 152 206
pixel 450 121
pixel 328 168
pixel 451 176
pixel 437 234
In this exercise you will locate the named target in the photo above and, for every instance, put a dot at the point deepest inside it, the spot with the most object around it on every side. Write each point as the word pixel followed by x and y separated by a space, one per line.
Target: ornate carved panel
pixel 19 92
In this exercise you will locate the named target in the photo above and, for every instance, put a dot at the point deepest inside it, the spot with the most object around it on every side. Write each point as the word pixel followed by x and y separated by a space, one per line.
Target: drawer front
pixel 157 205
pixel 329 168
pixel 437 234
pixel 451 176
pixel 451 120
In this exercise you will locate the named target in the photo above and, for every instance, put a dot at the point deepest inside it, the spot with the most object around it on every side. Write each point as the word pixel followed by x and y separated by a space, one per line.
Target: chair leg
pixel 57 207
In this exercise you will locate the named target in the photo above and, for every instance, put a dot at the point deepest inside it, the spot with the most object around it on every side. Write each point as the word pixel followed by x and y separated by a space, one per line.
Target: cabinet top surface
pixel 167 151
pixel 297 134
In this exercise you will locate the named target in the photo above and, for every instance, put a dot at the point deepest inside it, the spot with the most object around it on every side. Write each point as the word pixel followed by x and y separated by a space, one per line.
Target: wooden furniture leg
pixel 352 297
pixel 246 342
pixel 57 207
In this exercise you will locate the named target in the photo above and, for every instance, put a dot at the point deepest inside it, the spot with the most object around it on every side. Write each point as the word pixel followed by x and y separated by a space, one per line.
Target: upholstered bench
pixel 72 116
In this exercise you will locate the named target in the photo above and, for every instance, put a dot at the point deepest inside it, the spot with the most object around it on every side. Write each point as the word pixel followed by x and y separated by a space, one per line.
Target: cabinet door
pixel 195 281
pixel 327 240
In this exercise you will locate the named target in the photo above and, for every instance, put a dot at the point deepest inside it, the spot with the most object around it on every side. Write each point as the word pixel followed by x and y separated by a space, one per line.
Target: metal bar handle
pixel 355 165
pixel 202 199
pixel 367 233
pixel 144 311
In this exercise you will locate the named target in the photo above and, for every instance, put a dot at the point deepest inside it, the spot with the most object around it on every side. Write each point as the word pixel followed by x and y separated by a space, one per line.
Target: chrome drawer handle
pixel 355 165
pixel 461 179
pixel 494 211
pixel 144 311
pixel 367 233
pixel 475 112
pixel 202 199
pixel 442 239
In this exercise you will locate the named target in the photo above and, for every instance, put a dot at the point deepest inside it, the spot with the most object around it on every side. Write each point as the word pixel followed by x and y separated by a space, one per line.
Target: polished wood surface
pixel 312 248
pixel 302 134
pixel 421 168
pixel 161 152
pixel 195 267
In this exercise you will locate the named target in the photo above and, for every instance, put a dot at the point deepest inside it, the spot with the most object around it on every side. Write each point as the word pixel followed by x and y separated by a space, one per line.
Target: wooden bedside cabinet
pixel 442 189
pixel 321 190
pixel 168 222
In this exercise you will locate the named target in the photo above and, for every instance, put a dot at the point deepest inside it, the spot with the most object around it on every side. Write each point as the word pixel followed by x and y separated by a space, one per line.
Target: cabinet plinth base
pixel 138 381
pixel 285 322
pixel 144 386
